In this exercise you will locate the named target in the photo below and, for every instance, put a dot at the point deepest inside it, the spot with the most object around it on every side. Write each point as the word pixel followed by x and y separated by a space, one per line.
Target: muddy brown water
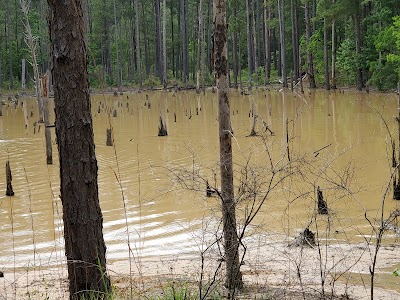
pixel 337 131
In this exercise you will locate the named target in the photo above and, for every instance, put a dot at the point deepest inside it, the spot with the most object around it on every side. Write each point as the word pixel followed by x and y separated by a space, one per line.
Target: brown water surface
pixel 164 219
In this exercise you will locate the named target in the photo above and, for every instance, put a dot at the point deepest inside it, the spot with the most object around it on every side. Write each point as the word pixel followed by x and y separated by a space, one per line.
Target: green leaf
pixel 396 272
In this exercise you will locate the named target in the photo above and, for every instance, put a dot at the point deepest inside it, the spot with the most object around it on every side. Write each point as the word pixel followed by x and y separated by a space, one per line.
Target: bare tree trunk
pixel 233 278
pixel 185 57
pixel 235 49
pixel 357 24
pixel 199 46
pixel 333 64
pixel 158 38
pixel 11 76
pixel 164 60
pixel 254 41
pixel 118 68
pixel 23 74
pixel 249 45
pixel 32 45
pixel 295 39
pixel 267 41
pixel 137 41
pixel 310 62
pixel 146 42
pixel 326 58
pixel 281 13
pixel 47 132
pixel 209 34
pixel 83 222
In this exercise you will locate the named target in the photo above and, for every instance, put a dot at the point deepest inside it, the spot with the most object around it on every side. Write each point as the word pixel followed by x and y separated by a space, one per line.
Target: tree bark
pixel 249 45
pixel 164 58
pixel 137 41
pixel 267 41
pixel 118 68
pixel 185 56
pixel 326 57
pixel 235 49
pixel 200 48
pixel 333 63
pixel 11 76
pixel 158 39
pixel 83 222
pixel 357 23
pixel 281 13
pixel 295 39
pixel 233 278
pixel 310 63
pixel 47 132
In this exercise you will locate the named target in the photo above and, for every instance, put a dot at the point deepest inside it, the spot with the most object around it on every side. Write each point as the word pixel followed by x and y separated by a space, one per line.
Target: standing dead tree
pixel 32 44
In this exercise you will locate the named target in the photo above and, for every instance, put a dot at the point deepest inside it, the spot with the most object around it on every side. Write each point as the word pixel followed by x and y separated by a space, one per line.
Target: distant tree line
pixel 166 42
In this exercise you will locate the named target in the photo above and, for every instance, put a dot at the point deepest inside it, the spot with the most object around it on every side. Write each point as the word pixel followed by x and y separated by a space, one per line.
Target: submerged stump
pixel 305 238
pixel 322 206
pixel 109 141
pixel 162 128
pixel 9 191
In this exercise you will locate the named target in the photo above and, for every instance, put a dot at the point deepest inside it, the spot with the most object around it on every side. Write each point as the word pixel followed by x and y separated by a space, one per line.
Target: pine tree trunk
pixel 11 84
pixel 164 58
pixel 233 280
pixel 83 222
pixel 281 13
pixel 295 39
pixel 326 57
pixel 146 43
pixel 310 63
pixel 333 63
pixel 199 46
pixel 158 39
pixel 137 41
pixel 172 40
pixel 209 46
pixel 267 42
pixel 357 23
pixel 185 57
pixel 235 51
pixel 118 67
pixel 249 45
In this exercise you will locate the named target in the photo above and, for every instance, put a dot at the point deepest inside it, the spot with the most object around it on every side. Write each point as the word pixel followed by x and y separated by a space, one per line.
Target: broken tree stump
pixel 109 141
pixel 305 238
pixel 162 128
pixel 9 191
pixel 322 206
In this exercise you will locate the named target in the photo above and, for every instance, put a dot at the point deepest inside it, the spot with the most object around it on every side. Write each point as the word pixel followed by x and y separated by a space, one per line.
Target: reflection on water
pixel 164 218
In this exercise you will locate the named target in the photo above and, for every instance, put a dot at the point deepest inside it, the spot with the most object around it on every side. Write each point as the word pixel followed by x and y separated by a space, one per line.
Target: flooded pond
pixel 168 215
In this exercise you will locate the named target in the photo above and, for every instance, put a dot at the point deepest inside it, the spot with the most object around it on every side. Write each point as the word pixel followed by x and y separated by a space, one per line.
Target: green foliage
pixel 396 272
pixel 346 62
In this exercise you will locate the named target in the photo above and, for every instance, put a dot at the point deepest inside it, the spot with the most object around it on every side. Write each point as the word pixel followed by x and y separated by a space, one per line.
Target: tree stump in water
pixel 322 206
pixel 162 129
pixel 9 191
pixel 109 141
pixel 305 238
pixel 396 190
